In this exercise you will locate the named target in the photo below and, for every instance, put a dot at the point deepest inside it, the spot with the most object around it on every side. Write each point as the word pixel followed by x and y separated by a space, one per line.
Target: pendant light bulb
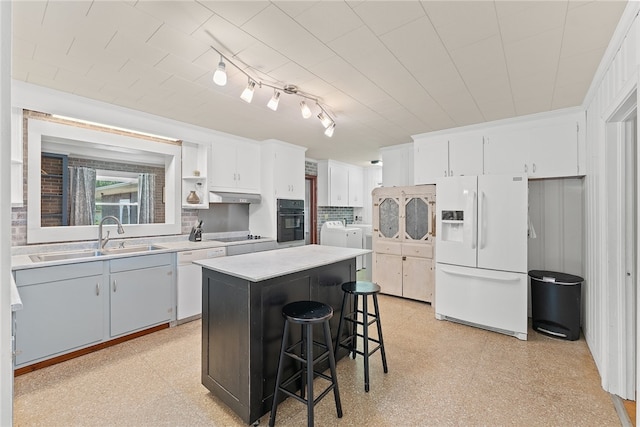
pixel 329 131
pixel 220 76
pixel 275 99
pixel 247 93
pixel 305 110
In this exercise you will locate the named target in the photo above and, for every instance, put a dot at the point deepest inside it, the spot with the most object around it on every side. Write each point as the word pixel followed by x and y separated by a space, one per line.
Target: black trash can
pixel 555 303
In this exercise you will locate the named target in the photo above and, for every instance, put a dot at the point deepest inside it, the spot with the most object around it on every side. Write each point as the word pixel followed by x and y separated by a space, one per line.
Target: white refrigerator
pixel 481 252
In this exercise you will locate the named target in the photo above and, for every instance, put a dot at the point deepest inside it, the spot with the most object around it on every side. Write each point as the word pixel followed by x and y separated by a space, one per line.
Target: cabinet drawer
pixel 59 272
pixel 136 262
pixel 392 248
pixel 418 250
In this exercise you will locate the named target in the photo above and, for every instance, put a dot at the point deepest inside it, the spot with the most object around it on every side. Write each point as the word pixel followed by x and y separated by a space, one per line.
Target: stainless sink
pixel 130 249
pixel 90 253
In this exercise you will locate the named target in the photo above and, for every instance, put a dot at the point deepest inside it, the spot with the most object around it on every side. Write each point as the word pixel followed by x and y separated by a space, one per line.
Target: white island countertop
pixel 259 266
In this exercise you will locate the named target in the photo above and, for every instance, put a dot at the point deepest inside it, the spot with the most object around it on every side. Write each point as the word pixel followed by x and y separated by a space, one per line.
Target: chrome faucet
pixel 101 242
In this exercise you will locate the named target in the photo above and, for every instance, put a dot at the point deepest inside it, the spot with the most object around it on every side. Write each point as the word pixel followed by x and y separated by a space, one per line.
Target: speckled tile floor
pixel 440 373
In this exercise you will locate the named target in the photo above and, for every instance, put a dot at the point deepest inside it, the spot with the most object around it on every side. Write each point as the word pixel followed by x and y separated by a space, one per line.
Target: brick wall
pixel 310 168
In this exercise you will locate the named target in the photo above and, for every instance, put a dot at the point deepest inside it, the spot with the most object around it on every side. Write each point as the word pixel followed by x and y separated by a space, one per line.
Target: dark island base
pixel 242 325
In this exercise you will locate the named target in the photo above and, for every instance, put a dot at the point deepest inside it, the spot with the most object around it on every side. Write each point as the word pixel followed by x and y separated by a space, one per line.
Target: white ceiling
pixel 386 70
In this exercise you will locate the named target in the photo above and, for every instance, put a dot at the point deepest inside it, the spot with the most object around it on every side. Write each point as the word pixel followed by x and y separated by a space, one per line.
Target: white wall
pixel 6 363
pixel 556 210
pixel 617 76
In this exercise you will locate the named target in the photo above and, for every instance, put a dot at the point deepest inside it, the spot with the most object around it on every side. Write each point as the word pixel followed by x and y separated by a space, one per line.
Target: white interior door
pixel 456 220
pixel 502 222
pixel 631 241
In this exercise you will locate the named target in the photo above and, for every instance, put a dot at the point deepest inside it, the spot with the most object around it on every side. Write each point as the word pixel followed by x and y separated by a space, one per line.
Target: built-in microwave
pixel 290 220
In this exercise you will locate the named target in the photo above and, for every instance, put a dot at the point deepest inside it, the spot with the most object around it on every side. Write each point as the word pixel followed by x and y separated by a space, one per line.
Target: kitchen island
pixel 242 300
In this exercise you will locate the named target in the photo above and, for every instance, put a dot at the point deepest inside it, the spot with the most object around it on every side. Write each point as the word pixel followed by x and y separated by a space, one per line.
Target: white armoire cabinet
pixel 403 241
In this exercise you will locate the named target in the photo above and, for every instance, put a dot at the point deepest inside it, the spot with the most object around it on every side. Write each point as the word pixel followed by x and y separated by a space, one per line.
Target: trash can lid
pixel 555 277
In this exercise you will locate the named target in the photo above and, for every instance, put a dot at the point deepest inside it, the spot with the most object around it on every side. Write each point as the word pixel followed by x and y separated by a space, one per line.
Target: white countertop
pixel 173 244
pixel 16 301
pixel 265 265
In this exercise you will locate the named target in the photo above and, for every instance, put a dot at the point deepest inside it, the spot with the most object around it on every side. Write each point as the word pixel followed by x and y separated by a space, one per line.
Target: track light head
pixel 247 93
pixel 305 110
pixel 329 130
pixel 275 99
pixel 325 119
pixel 220 76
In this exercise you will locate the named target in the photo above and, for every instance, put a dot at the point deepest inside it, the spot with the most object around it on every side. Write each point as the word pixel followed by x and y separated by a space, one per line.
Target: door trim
pixel 313 208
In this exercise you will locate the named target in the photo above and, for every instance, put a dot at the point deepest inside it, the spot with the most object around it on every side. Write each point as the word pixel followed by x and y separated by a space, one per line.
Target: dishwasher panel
pixel 189 304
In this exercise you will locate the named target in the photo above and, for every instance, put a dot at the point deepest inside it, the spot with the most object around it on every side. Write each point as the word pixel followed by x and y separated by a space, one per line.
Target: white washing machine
pixel 334 233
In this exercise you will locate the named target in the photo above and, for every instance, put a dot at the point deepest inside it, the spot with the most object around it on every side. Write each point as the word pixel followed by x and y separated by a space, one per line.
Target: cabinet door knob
pixel 450 173
pixel 445 173
pixel 98 288
pixel 534 168
pixel 526 168
pixel 114 285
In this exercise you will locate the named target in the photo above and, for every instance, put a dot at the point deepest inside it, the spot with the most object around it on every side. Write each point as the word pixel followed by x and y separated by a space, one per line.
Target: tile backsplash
pixel 333 213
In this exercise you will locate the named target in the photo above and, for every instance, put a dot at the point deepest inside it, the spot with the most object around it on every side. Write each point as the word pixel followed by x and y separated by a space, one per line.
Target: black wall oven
pixel 290 220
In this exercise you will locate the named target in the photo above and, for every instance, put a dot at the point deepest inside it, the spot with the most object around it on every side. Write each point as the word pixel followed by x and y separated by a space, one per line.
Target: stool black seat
pixel 307 314
pixel 364 289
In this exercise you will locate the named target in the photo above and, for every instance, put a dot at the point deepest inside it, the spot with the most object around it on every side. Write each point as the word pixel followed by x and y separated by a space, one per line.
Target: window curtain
pixel 146 199
pixel 82 192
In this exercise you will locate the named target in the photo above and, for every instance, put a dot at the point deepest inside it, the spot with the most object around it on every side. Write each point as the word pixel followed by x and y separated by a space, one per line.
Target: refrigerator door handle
pixel 500 278
pixel 482 228
pixel 474 219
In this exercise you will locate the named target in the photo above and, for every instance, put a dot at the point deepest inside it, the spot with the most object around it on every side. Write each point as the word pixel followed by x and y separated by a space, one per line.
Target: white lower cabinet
pixel 70 307
pixel 140 292
pixel 60 312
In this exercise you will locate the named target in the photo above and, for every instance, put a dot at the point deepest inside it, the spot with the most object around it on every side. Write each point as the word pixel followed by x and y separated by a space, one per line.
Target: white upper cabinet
pixel 289 171
pixel 397 165
pixel 356 186
pixel 430 159
pixel 234 165
pixel 506 153
pixel 339 184
pixel 547 148
pixel 446 155
pixel 465 155
pixel 17 194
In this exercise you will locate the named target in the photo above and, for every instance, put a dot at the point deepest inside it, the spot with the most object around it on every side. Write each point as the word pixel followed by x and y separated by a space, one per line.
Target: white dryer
pixel 334 233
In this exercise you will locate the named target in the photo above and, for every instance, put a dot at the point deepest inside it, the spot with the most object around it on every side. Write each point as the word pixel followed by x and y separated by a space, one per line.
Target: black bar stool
pixel 306 314
pixel 350 343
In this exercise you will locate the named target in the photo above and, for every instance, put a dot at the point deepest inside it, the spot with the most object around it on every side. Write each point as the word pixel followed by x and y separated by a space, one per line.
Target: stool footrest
pixel 360 352
pixel 289 351
pixel 302 399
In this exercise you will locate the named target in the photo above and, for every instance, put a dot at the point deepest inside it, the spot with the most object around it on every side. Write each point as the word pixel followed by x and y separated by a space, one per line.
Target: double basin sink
pixel 91 253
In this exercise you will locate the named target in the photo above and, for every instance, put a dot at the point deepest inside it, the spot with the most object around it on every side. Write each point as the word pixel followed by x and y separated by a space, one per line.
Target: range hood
pixel 225 197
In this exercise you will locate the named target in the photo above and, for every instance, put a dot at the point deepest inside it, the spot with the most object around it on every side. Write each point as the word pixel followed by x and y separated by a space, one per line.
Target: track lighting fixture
pixel 220 76
pixel 275 99
pixel 305 110
pixel 247 93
